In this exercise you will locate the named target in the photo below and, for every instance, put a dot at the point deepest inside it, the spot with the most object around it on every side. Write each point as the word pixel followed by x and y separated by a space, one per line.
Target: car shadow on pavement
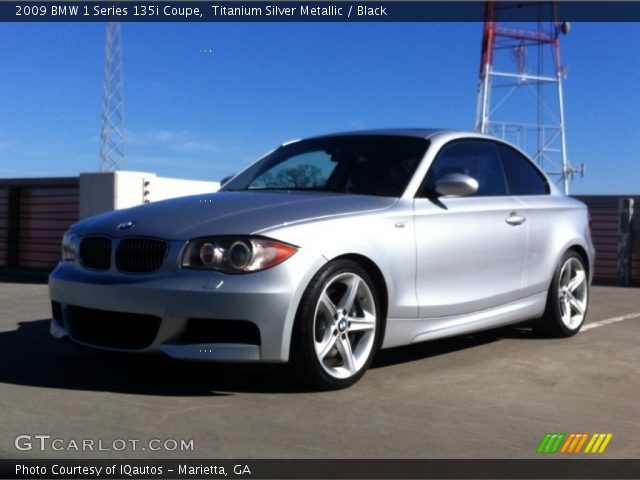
pixel 31 356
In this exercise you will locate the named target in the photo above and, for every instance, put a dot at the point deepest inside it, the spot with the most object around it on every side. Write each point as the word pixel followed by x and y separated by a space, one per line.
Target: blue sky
pixel 204 116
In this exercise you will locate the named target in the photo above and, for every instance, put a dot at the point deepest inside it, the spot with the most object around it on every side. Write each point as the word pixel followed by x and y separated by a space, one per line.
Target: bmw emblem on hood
pixel 126 225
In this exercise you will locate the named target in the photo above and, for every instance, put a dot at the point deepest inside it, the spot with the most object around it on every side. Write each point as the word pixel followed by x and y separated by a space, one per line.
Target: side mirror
pixel 226 179
pixel 456 185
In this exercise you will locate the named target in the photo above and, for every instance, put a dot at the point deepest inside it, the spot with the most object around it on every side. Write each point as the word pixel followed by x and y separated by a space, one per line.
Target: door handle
pixel 515 219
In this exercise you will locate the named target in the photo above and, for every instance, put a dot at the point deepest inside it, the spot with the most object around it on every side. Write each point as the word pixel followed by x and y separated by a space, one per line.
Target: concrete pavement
pixel 490 395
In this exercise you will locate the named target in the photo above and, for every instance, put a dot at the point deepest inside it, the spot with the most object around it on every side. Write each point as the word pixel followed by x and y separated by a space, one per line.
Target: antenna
pixel 112 135
pixel 520 96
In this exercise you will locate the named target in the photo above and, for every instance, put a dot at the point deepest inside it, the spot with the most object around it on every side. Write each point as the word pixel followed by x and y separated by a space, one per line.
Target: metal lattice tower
pixel 112 134
pixel 520 94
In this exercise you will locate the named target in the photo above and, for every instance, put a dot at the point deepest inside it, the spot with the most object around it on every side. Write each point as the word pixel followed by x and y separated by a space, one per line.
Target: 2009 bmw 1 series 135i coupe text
pixel 328 249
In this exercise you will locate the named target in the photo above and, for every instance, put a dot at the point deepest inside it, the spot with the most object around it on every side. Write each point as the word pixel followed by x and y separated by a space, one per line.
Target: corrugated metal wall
pixel 635 237
pixel 605 226
pixel 33 216
pixel 34 213
pixel 4 222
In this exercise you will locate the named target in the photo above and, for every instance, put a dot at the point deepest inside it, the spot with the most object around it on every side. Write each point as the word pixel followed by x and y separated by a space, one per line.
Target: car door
pixel 470 250
pixel 529 185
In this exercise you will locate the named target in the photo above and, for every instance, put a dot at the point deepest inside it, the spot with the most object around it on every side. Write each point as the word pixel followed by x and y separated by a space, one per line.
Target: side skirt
pixel 404 331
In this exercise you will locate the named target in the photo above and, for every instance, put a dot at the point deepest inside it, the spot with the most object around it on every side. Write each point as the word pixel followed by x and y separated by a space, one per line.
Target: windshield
pixel 359 164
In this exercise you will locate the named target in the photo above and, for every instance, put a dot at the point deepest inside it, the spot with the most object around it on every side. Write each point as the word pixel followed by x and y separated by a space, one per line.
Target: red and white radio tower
pixel 520 94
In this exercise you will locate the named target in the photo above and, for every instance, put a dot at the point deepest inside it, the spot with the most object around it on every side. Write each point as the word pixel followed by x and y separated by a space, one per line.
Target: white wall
pixel 106 191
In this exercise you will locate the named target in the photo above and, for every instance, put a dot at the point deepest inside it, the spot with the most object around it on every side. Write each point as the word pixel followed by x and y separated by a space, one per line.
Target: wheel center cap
pixel 342 325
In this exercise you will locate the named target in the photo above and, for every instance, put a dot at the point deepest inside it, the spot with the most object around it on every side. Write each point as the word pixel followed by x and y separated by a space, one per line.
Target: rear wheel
pixel 568 298
pixel 337 326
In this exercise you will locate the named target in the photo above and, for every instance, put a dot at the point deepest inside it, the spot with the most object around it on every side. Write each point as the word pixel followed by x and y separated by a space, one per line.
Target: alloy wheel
pixel 572 293
pixel 344 325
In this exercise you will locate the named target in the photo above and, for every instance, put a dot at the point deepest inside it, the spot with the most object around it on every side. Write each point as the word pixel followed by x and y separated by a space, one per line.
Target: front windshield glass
pixel 358 164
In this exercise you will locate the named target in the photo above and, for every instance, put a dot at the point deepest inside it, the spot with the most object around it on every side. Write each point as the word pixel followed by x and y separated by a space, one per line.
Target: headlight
pixel 235 254
pixel 68 247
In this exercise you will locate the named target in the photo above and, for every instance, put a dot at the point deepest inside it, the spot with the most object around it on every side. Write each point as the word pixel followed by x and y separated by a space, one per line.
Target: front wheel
pixel 567 299
pixel 337 326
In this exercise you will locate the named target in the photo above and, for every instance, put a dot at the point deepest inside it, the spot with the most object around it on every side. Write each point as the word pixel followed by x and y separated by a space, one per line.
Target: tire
pixel 568 298
pixel 337 328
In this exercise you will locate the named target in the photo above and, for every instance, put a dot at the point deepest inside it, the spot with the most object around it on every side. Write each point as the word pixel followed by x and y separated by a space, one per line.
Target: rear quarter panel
pixel 556 224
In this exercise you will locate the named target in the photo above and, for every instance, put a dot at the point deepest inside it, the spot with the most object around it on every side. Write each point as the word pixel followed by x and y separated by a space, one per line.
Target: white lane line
pixel 609 321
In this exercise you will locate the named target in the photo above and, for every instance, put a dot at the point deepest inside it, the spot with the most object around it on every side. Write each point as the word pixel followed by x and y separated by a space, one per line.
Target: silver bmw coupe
pixel 328 249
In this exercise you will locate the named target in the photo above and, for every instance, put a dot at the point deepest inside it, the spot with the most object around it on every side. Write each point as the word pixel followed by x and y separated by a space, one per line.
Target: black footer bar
pixel 543 468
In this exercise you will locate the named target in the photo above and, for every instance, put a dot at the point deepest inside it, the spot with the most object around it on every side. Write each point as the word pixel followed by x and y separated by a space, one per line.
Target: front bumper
pixel 266 299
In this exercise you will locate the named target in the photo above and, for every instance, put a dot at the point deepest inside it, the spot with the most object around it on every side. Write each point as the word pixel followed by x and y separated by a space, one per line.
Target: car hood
pixel 228 213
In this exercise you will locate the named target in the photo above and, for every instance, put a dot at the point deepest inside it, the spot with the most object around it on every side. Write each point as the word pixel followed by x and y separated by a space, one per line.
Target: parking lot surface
pixel 490 395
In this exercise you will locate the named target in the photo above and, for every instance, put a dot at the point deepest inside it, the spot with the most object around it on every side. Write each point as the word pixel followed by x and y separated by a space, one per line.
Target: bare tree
pixel 301 176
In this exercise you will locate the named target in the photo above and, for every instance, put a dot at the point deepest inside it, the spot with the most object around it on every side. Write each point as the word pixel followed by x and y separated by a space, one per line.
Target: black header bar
pixel 307 11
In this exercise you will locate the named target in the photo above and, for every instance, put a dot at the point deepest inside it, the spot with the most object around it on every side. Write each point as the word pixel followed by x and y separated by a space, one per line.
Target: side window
pixel 522 176
pixel 476 159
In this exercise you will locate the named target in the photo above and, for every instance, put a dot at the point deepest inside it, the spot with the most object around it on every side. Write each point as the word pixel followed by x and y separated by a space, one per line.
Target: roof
pixel 403 132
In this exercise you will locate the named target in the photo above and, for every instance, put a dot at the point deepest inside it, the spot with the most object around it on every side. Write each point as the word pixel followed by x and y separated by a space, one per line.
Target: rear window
pixel 523 178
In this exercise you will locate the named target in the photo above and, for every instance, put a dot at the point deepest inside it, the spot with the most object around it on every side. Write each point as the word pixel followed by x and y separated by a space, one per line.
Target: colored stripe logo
pixel 574 442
